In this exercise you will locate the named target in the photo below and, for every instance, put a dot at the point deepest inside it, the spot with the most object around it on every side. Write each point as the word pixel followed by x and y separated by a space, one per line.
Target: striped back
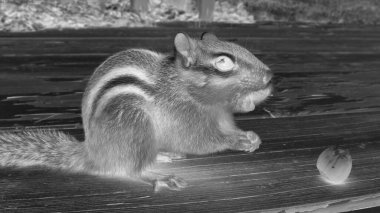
pixel 129 72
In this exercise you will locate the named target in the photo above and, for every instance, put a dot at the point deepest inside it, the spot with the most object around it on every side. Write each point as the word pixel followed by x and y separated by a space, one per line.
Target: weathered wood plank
pixel 108 45
pixel 47 90
pixel 320 71
pixel 280 175
pixel 282 30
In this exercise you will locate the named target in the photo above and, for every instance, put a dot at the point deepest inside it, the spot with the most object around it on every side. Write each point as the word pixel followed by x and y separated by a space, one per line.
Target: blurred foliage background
pixel 34 15
pixel 317 11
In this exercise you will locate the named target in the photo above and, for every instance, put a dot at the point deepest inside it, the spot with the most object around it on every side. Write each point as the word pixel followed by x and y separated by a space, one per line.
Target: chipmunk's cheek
pixel 260 95
pixel 196 79
pixel 248 106
pixel 248 102
pixel 219 82
pixel 245 104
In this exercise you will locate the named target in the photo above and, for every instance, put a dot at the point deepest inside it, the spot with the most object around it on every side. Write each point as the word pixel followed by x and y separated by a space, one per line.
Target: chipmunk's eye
pixel 224 63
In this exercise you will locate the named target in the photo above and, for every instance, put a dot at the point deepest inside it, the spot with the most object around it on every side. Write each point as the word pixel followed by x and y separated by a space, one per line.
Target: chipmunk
pixel 138 103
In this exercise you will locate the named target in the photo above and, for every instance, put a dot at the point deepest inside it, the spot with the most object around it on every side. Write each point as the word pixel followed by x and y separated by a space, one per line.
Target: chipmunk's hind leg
pixel 127 144
pixel 122 141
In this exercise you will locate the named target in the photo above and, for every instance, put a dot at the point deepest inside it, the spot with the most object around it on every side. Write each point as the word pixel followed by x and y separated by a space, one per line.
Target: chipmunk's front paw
pixel 248 141
pixel 171 182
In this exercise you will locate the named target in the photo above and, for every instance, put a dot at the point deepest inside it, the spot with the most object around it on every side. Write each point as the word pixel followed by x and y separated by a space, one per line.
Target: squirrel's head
pixel 218 71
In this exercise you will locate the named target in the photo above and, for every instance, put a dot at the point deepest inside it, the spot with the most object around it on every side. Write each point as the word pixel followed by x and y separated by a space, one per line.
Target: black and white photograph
pixel 190 106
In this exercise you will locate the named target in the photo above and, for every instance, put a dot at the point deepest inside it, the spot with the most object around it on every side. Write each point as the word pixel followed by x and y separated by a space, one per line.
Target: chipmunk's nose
pixel 267 76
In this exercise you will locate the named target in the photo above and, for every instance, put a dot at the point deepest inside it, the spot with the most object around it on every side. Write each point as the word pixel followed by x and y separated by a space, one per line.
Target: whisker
pixel 270 113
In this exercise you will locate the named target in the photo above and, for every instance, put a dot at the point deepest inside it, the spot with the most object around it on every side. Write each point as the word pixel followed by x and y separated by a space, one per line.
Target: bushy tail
pixel 41 148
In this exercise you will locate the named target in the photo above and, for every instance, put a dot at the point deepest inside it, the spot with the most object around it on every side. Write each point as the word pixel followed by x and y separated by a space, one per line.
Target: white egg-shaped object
pixel 335 164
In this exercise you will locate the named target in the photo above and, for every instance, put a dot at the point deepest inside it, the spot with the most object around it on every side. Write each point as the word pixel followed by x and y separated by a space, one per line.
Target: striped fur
pixel 114 115
pixel 103 85
pixel 120 90
pixel 121 85
pixel 139 102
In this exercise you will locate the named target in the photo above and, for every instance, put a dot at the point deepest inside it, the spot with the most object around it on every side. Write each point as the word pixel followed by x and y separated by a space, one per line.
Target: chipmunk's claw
pixel 249 142
pixel 170 182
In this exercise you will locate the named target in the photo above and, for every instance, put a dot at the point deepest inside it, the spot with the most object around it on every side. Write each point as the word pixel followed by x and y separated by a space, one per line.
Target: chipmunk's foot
pixel 248 141
pixel 170 182
pixel 168 157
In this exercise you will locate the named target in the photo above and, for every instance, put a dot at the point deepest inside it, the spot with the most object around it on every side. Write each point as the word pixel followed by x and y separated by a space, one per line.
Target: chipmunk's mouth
pixel 260 95
pixel 249 101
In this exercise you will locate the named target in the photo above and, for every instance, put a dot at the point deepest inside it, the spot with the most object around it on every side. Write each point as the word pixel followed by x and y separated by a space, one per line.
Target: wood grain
pixel 108 45
pixel 47 90
pixel 327 93
pixel 271 30
pixel 280 175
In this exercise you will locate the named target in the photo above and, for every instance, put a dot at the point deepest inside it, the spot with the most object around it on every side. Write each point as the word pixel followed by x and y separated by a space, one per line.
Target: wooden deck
pixel 327 81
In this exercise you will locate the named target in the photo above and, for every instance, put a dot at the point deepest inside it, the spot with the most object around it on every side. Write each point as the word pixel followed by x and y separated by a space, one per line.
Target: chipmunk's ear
pixel 208 36
pixel 185 47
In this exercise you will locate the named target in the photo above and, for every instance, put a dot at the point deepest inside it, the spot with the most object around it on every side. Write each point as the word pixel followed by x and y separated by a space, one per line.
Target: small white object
pixel 335 164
